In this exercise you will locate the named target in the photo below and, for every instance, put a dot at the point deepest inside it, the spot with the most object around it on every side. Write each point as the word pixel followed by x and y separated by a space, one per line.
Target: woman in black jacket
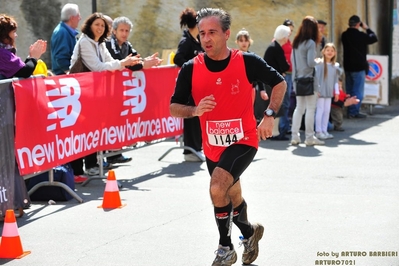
pixel 275 57
pixel 189 47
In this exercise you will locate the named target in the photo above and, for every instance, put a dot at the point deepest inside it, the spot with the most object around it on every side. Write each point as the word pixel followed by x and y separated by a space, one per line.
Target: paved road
pixel 315 203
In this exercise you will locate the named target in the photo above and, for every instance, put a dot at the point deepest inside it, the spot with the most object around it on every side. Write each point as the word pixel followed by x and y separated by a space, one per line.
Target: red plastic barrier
pixel 62 118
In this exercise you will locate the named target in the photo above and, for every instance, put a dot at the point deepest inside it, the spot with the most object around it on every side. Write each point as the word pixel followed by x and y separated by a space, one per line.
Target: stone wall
pixel 36 20
pixel 156 22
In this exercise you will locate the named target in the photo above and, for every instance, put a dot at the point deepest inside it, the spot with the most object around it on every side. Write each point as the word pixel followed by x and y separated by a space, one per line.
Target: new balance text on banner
pixel 62 118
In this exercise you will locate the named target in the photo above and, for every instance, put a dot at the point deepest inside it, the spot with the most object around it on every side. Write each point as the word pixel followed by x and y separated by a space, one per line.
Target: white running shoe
pixel 224 256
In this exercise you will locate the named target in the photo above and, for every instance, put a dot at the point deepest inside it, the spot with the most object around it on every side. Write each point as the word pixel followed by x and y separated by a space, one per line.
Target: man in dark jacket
pixel 355 44
pixel 119 47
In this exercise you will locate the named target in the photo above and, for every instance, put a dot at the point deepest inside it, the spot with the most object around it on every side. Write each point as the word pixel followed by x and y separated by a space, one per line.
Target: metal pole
pixel 332 33
pixel 390 41
pixel 94 6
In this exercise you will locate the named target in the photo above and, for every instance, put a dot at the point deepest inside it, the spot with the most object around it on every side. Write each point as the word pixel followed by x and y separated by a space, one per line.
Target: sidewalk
pixel 316 203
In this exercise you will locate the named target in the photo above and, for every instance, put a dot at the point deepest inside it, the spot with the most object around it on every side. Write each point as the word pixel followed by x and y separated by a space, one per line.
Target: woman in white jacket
pixel 92 49
pixel 96 57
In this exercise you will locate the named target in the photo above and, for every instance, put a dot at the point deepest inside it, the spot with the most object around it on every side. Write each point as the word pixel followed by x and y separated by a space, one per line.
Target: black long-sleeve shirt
pixel 121 52
pixel 187 49
pixel 355 45
pixel 27 70
pixel 257 70
pixel 274 56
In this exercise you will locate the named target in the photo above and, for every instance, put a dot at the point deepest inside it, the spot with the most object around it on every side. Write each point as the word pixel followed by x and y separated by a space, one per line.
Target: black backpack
pixel 63 174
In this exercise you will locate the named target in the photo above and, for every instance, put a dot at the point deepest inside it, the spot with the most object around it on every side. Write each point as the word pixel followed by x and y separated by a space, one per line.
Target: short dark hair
pixel 320 21
pixel 353 20
pixel 86 28
pixel 288 22
pixel 224 17
pixel 7 25
pixel 188 18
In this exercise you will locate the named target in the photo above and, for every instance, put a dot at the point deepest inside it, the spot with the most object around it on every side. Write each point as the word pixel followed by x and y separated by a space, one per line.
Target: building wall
pixel 156 22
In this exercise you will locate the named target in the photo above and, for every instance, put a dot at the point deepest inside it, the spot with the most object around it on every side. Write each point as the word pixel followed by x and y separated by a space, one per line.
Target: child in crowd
pixel 327 76
pixel 337 107
pixel 244 41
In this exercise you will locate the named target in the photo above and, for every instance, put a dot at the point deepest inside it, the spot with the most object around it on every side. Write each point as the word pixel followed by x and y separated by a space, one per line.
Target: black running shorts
pixel 235 159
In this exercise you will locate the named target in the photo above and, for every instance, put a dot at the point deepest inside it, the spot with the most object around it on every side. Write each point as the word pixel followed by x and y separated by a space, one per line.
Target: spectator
pixel 321 24
pixel 274 56
pixel 96 57
pixel 289 101
pixel 221 84
pixel 119 47
pixel 63 39
pixel 304 60
pixel 109 23
pixel 244 41
pixel 337 113
pixel 356 66
pixel 189 47
pixel 10 64
pixel 107 165
pixel 327 78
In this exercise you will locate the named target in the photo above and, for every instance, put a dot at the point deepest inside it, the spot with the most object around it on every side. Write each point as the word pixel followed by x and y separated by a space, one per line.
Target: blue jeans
pixel 284 124
pixel 354 82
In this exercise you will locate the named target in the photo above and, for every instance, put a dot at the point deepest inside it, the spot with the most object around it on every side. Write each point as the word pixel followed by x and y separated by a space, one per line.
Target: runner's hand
pixel 265 128
pixel 206 104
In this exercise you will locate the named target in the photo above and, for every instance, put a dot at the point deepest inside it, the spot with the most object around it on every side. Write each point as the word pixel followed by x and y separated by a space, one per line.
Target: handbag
pixel 304 85
pixel 79 66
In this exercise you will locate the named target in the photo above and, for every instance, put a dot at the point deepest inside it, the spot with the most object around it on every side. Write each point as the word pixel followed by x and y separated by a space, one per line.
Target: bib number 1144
pixel 224 133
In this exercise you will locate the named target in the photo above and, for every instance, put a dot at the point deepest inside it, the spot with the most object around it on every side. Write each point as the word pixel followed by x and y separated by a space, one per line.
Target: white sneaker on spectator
pixel 192 158
pixel 93 171
pixel 321 135
pixel 313 141
pixel 295 140
pixel 328 135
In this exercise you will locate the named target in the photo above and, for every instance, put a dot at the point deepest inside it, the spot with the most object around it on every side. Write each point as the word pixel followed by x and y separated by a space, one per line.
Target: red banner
pixel 62 118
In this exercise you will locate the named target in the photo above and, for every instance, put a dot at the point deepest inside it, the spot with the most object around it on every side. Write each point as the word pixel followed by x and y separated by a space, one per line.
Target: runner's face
pixel 122 33
pixel 213 39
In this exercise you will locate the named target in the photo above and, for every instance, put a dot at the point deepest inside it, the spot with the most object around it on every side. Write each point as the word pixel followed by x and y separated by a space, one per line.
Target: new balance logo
pixel 64 102
pixel 134 91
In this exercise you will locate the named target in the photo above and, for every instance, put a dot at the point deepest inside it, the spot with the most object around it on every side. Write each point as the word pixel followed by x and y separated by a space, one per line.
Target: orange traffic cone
pixel 111 199
pixel 10 246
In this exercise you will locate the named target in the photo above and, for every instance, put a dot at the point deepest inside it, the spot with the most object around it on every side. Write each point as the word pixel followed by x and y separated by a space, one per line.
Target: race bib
pixel 225 132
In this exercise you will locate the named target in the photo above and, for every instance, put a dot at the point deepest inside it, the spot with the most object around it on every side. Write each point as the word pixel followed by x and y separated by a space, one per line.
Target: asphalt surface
pixel 322 205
